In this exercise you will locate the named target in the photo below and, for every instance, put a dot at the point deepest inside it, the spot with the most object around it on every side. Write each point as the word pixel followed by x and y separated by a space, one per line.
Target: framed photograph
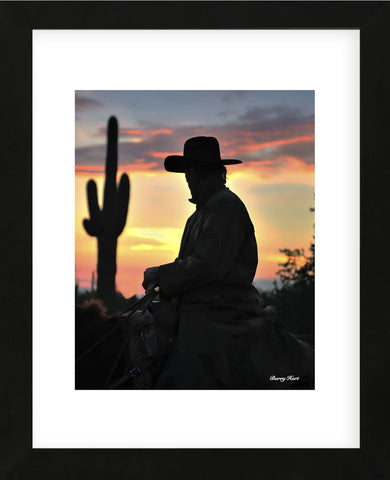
pixel 320 56
pixel 271 132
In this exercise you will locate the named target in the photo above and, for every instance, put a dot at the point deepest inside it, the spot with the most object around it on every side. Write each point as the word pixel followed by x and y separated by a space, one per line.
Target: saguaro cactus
pixel 107 223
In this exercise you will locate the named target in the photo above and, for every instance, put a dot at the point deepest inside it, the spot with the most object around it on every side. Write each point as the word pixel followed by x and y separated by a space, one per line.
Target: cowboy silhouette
pixel 208 304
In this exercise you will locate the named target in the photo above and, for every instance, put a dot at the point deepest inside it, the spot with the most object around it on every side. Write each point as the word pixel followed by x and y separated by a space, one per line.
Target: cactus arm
pixel 122 205
pixel 93 206
pixel 90 228
pixel 94 226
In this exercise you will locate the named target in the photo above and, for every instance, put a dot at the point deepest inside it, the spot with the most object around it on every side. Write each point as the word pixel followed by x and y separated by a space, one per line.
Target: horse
pixel 124 350
pixel 129 350
pixel 91 325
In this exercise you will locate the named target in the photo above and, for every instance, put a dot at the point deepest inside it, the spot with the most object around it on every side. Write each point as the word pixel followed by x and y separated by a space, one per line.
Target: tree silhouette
pixel 298 269
pixel 294 299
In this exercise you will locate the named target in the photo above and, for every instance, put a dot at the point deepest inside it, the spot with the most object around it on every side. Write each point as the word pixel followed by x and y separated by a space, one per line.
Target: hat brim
pixel 179 163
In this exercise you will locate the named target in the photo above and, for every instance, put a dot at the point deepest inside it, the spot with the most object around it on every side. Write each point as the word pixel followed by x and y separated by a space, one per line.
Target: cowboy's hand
pixel 150 279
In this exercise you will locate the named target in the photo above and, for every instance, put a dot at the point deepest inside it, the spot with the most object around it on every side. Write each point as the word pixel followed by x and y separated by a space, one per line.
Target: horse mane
pixel 93 308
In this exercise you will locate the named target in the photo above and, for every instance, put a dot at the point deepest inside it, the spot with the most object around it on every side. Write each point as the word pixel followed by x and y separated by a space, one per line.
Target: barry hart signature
pixel 290 378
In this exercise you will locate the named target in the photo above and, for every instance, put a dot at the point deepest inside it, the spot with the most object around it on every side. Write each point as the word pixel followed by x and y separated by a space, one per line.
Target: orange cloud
pixel 297 164
pixel 127 131
pixel 89 169
pixel 288 164
pixel 285 169
pixel 134 131
pixel 138 166
pixel 161 154
pixel 274 143
pixel 166 131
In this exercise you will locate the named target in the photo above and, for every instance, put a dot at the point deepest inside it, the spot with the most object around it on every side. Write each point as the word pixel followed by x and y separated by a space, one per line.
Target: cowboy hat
pixel 201 150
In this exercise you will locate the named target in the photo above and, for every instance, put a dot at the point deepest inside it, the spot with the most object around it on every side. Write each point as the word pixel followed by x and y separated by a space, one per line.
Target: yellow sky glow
pixel 159 208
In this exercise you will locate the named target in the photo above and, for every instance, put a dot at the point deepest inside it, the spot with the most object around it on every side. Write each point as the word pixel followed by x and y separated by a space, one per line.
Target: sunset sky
pixel 272 132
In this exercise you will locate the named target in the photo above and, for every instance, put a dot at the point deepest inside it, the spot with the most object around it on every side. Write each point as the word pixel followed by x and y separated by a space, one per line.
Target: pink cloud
pixel 89 168
pixel 274 143
pixel 138 167
pixel 162 154
pixel 128 131
pixel 165 131
pixel 134 131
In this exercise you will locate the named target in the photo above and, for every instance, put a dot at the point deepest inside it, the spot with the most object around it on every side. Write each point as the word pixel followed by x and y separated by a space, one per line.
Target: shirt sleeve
pixel 216 249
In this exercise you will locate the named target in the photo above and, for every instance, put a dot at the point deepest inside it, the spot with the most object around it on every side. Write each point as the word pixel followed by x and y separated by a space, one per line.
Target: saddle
pixel 149 336
pixel 272 352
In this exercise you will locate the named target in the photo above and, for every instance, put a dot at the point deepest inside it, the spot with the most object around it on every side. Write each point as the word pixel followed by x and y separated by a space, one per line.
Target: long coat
pixel 226 339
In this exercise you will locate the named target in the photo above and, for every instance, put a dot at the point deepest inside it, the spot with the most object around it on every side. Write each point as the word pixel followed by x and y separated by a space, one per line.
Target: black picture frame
pixel 17 458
